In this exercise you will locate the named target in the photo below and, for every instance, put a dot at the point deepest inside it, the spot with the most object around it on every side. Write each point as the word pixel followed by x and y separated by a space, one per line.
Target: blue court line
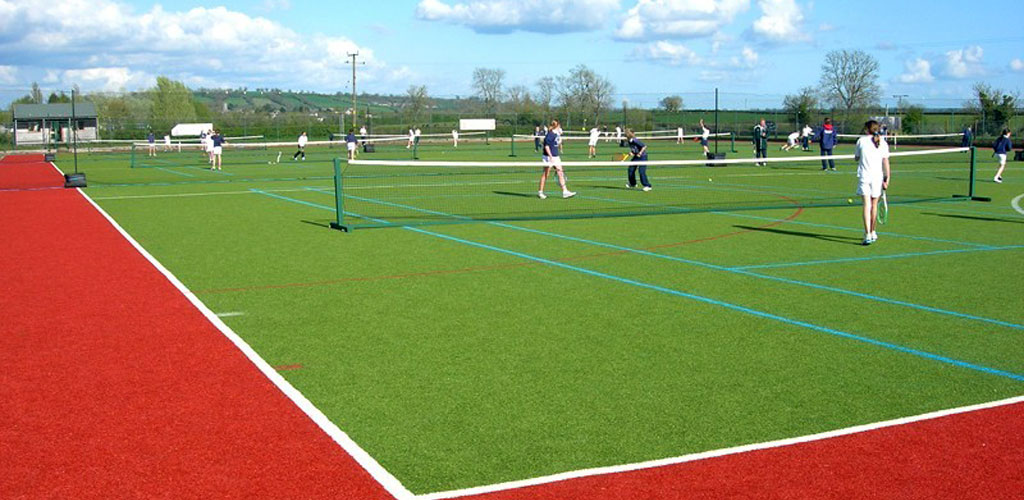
pixel 173 171
pixel 877 257
pixel 202 169
pixel 735 270
pixel 698 298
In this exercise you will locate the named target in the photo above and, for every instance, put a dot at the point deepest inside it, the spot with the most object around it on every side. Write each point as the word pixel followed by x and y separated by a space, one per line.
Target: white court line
pixel 368 463
pixel 598 471
pixel 1016 203
pixel 230 314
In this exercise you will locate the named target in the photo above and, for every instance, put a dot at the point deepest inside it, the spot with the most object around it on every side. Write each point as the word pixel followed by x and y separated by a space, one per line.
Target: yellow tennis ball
pixel 709 179
pixel 849 200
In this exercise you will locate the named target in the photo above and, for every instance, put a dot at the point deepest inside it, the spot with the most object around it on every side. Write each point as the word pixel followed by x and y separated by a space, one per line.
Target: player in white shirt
pixel 362 134
pixel 618 133
pixel 791 141
pixel 167 143
pixel 416 136
pixel 679 134
pixel 872 155
pixel 455 137
pixel 704 134
pixel 412 136
pixel 805 137
pixel 208 145
pixel 595 134
pixel 302 148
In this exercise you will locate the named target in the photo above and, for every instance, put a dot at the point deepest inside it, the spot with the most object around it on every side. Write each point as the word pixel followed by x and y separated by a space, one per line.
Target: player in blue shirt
pixel 350 143
pixel 552 159
pixel 968 139
pixel 218 145
pixel 638 152
pixel 1001 148
pixel 151 138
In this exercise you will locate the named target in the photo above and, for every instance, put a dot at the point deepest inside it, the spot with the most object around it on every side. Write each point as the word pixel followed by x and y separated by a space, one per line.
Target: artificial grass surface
pixel 456 365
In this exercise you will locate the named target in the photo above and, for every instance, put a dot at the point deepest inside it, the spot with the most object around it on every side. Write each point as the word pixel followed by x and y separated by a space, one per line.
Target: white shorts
pixel 592 142
pixel 217 150
pixel 872 187
pixel 553 161
pixel 351 146
pixel 791 142
pixel 1002 158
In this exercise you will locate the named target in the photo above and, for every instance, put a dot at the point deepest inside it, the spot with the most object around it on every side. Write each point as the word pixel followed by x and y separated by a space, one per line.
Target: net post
pixel 974 165
pixel 339 199
pixel 512 142
pixel 132 157
pixel 732 142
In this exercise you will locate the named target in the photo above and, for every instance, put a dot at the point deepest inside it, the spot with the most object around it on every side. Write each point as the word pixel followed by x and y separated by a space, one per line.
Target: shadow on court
pixel 847 240
pixel 521 195
pixel 973 217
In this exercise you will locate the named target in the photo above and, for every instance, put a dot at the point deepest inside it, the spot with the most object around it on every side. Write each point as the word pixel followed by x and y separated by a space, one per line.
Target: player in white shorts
pixel 872 155
pixel 595 134
pixel 350 144
pixel 455 138
pixel 553 160
pixel 791 141
pixel 680 134
pixel 167 143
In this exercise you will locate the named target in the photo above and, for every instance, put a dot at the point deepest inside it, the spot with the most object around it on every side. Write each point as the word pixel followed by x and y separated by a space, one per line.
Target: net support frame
pixel 339 200
pixel 973 176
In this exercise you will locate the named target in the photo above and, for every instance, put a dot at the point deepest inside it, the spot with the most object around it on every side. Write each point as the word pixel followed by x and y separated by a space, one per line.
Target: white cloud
pixel 780 21
pixel 826 27
pixel 651 19
pixel 504 16
pixel 1017 65
pixel 8 74
pixel 917 71
pixel 103 43
pixel 672 53
pixel 106 79
pixel 272 5
pixel 965 63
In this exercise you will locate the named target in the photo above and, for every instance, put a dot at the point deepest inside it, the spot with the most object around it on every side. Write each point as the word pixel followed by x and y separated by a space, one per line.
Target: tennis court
pixel 467 333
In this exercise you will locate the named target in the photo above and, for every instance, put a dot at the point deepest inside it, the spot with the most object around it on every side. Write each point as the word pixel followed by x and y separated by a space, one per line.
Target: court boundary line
pixel 360 456
pixel 694 457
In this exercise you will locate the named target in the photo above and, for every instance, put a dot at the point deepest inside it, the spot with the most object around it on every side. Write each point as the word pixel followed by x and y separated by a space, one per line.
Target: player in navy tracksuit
pixel 826 139
pixel 1002 147
pixel 638 150
pixel 968 138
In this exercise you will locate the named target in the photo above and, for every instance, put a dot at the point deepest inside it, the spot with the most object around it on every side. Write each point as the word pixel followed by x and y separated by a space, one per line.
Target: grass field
pixel 732 305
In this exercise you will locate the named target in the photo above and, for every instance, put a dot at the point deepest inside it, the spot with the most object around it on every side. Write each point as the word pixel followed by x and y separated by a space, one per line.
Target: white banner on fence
pixel 476 124
pixel 190 129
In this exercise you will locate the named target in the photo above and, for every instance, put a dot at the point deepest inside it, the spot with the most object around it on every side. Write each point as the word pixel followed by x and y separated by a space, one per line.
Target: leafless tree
pixel 584 91
pixel 489 86
pixel 849 80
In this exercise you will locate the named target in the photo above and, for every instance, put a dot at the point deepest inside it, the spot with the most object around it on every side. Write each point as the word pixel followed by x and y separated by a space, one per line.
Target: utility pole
pixel 355 110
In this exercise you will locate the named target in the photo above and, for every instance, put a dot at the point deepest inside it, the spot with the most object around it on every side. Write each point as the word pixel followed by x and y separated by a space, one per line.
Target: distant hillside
pixel 284 101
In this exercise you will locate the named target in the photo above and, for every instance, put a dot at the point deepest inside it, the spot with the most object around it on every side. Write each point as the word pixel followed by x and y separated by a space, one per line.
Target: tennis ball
pixel 849 200
pixel 709 179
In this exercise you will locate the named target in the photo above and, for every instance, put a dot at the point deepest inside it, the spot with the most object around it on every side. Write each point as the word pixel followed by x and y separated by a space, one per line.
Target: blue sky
pixel 755 51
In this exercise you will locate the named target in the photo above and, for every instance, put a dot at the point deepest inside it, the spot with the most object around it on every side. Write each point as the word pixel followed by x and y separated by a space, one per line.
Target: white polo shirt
pixel 869 158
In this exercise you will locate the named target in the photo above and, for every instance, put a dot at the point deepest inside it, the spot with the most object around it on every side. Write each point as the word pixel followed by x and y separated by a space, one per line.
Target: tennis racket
pixel 623 156
pixel 883 209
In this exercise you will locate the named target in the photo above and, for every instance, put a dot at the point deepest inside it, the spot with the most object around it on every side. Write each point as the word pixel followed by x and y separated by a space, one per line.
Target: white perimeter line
pixel 1016 203
pixel 230 314
pixel 714 453
pixel 382 476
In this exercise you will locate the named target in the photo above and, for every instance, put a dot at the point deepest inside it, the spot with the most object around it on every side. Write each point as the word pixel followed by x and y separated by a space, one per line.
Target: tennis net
pixel 380 193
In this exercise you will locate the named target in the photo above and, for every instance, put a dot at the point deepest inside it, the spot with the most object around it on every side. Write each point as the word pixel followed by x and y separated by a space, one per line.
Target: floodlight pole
pixel 716 122
pixel 355 110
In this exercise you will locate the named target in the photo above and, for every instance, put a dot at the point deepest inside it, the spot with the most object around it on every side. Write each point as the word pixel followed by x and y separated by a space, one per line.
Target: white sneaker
pixel 568 194
pixel 874 236
pixel 999 180
pixel 629 186
pixel 647 188
pixel 541 195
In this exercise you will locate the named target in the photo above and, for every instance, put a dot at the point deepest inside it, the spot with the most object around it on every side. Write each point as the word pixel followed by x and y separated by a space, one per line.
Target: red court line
pixel 974 455
pixel 115 386
pixel 28 172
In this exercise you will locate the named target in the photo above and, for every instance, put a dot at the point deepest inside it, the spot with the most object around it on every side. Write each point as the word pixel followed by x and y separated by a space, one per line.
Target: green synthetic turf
pixel 457 366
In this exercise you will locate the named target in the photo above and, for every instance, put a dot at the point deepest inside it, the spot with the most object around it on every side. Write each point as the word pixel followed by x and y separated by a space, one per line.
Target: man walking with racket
pixel 704 135
pixel 552 159
pixel 302 147
pixel 760 140
pixel 638 152
pixel 872 155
